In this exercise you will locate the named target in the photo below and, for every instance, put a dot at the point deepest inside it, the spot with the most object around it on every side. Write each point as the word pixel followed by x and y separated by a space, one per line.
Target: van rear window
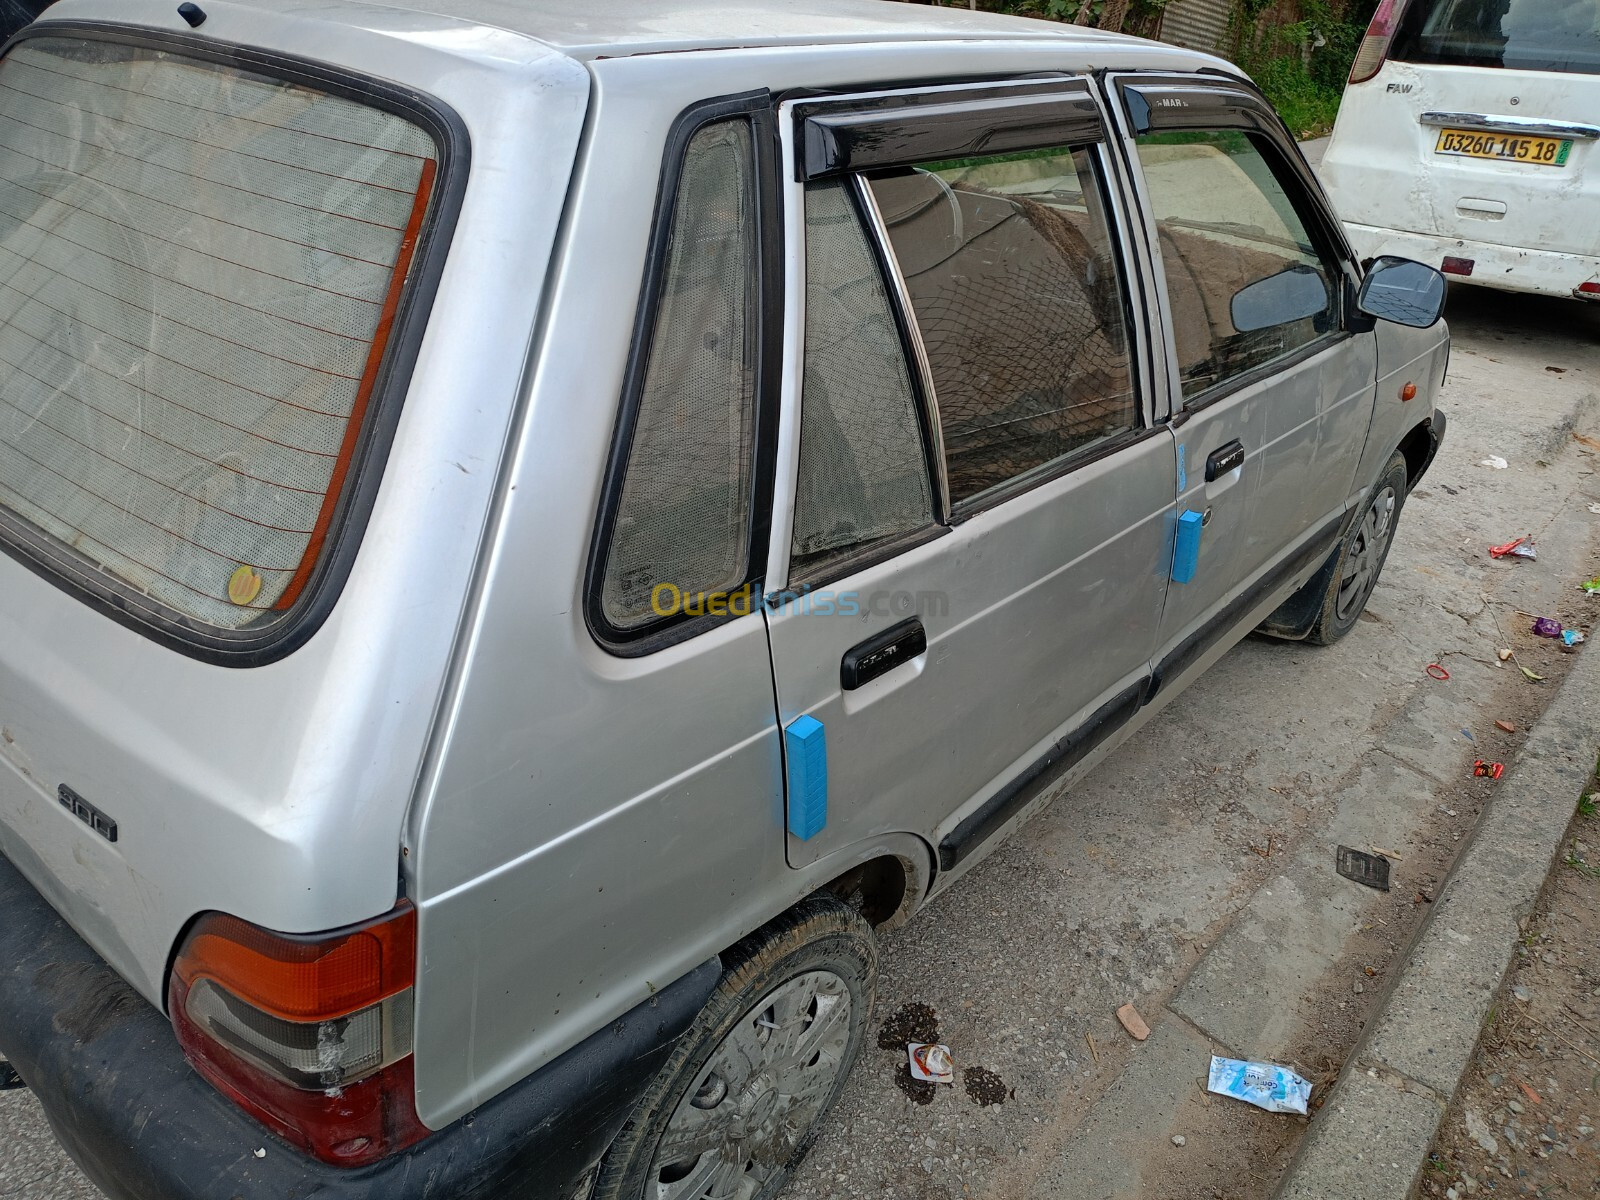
pixel 1528 35
pixel 199 272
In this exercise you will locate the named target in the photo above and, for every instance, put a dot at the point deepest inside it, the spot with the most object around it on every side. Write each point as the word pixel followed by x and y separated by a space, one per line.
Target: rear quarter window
pixel 1529 35
pixel 201 274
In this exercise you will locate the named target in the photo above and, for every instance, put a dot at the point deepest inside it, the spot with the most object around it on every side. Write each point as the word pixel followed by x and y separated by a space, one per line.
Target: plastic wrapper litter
pixel 1266 1085
pixel 931 1063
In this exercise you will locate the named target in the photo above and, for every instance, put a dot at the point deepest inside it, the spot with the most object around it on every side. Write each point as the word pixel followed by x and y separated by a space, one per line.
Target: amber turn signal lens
pixel 304 978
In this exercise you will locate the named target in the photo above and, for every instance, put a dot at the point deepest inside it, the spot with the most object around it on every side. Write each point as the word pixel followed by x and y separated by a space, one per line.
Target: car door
pixel 978 488
pixel 1271 381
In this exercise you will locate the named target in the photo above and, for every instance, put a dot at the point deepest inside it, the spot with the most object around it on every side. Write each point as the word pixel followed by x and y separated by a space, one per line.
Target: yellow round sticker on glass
pixel 243 586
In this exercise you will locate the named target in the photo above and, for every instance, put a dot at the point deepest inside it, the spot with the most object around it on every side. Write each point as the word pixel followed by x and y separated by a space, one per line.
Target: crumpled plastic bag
pixel 1266 1085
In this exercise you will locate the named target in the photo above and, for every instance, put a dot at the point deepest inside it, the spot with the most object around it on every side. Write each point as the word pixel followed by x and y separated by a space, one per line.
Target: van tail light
pixel 1374 46
pixel 309 1034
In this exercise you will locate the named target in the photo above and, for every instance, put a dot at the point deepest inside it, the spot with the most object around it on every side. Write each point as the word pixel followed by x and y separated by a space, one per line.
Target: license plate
pixel 1505 147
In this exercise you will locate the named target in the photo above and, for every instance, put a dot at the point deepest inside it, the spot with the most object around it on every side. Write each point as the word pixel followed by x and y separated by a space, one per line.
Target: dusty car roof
pixel 613 28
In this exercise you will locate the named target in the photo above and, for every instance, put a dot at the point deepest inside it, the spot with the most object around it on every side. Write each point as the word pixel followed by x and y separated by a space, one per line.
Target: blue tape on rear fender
pixel 1186 546
pixel 806 749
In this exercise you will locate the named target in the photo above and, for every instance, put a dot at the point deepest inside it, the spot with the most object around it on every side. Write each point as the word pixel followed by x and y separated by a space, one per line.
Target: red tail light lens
pixel 310 1034
pixel 1374 46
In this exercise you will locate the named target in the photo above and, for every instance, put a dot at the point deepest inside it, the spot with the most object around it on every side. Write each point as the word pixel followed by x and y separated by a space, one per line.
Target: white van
pixel 1468 140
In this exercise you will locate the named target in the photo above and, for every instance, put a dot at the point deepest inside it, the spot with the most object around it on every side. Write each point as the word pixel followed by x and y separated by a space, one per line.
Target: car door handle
pixel 1224 459
pixel 882 653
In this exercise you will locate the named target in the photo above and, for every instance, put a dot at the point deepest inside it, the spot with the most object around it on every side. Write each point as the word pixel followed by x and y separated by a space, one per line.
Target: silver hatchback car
pixel 531 527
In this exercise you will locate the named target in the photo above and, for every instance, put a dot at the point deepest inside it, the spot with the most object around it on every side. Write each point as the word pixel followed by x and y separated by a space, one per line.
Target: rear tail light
pixel 1590 289
pixel 309 1034
pixel 1374 46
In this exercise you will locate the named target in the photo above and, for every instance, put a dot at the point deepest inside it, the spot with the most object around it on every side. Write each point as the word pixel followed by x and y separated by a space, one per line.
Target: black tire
pixel 754 1133
pixel 1361 556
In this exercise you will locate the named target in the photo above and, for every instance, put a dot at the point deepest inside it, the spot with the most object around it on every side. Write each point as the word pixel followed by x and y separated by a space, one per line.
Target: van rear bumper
pixel 1545 272
pixel 126 1105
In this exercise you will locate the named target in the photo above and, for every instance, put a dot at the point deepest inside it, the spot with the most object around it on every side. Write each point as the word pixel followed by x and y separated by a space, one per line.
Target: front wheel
pixel 1361 556
pixel 738 1104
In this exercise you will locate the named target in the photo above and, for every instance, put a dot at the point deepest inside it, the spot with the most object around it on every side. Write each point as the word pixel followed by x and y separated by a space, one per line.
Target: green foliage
pixel 1140 18
pixel 1307 107
pixel 1301 65
pixel 1586 805
pixel 1577 864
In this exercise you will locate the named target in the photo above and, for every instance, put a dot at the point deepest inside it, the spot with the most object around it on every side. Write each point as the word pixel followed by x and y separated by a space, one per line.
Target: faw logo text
pixel 1401 87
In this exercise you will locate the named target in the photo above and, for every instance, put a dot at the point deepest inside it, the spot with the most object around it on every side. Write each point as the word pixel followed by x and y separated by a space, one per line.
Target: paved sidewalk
pixel 1373 1137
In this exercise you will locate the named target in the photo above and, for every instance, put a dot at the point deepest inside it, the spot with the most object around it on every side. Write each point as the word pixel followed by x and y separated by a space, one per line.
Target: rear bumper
pixel 1545 272
pixel 127 1106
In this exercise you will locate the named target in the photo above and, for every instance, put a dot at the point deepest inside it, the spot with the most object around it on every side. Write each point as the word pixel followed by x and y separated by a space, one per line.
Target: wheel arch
pixel 1418 447
pixel 885 878
pixel 885 889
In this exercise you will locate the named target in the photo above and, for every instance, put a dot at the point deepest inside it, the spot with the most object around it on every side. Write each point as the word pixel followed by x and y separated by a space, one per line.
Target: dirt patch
pixel 92 998
pixel 984 1086
pixel 1523 1121
pixel 909 1023
pixel 918 1091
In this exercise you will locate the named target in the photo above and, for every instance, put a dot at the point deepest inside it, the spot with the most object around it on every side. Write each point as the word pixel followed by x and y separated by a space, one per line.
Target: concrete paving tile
pixel 1370 1143
pixel 1247 990
pixel 1103 1157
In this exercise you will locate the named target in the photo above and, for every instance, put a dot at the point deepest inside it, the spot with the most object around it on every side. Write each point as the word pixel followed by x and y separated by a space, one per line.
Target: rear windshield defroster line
pixel 211 266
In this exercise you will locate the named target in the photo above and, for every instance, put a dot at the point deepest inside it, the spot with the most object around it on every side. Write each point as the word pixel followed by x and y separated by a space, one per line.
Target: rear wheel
pixel 1361 556
pixel 738 1104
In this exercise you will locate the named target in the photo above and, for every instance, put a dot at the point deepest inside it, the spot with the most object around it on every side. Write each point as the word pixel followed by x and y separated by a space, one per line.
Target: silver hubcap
pixel 742 1117
pixel 1366 555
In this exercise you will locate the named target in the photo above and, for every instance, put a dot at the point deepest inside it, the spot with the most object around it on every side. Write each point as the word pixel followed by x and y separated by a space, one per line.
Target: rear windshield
pixel 199 271
pixel 1528 35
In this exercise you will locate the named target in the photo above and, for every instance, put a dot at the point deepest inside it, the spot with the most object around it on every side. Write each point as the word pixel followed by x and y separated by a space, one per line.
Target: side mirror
pixel 1290 295
pixel 1402 291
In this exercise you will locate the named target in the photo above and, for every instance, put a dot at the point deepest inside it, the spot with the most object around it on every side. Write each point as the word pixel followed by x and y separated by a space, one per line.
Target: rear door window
pixel 1528 35
pixel 200 275
pixel 1011 273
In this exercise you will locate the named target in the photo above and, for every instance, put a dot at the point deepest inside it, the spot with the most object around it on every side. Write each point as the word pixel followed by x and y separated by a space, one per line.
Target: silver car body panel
pixel 278 793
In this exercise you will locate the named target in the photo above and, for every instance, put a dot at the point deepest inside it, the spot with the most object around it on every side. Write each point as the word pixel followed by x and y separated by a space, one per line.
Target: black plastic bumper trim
pixel 143 1126
pixel 1189 651
pixel 1039 775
